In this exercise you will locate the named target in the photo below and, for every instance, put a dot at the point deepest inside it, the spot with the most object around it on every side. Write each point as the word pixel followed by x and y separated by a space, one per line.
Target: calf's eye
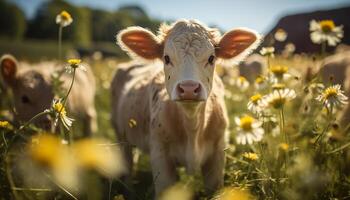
pixel 25 99
pixel 167 59
pixel 211 59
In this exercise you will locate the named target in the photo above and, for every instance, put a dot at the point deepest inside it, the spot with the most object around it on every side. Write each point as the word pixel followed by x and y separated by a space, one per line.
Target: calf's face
pixel 189 51
pixel 32 92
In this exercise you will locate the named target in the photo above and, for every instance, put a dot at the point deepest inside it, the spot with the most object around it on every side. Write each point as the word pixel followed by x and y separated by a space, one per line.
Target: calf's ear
pixel 8 65
pixel 139 42
pixel 236 44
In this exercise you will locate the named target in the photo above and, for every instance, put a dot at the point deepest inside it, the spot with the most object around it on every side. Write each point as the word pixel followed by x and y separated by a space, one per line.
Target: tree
pixel 43 25
pixel 12 20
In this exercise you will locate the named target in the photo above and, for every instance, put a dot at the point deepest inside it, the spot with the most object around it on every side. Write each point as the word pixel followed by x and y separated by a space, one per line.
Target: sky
pixel 260 15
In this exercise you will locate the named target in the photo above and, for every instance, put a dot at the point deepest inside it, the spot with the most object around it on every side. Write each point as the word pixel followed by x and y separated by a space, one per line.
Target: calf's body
pixel 173 133
pixel 173 108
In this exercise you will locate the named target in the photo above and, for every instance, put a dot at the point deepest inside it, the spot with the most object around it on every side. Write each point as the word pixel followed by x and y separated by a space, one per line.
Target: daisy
pixel 325 31
pixel 248 130
pixel 64 19
pixel 242 83
pixel 58 109
pixel 74 64
pixel 260 83
pixel 332 96
pixel 254 103
pixel 279 73
pixel 267 51
pixel 280 35
pixel 278 97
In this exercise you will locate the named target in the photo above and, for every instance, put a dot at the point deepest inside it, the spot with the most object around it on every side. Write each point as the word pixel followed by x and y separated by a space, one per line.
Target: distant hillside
pixel 297 27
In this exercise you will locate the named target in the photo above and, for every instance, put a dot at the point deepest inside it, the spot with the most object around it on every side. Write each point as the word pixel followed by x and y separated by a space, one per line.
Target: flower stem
pixel 282 124
pixel 320 136
pixel 65 98
pixel 323 49
pixel 69 90
pixel 32 119
pixel 60 43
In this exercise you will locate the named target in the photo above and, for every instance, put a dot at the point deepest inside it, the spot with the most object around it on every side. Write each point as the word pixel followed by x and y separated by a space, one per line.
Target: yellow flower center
pixel 65 15
pixel 279 70
pixel 278 86
pixel 259 80
pixel 241 79
pixel 246 123
pixel 278 102
pixel 330 92
pixel 4 124
pixel 251 156
pixel 74 62
pixel 59 108
pixel 327 25
pixel 255 98
pixel 284 146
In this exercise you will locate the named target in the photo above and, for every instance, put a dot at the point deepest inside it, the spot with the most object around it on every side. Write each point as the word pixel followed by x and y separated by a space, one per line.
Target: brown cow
pixel 174 108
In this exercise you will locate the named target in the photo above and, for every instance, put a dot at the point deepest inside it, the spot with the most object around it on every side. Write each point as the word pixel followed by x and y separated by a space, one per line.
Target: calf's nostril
pixel 197 90
pixel 180 89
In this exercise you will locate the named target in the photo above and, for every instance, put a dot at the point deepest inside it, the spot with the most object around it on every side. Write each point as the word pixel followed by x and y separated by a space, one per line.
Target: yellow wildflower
pixel 251 156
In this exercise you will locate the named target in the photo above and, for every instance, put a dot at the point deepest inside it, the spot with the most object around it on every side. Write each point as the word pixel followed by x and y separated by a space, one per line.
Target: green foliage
pixel 13 23
pixel 89 24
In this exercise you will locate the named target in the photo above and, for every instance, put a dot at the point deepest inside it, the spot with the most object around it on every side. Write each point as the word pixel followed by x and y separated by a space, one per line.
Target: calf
pixel 252 67
pixel 174 108
pixel 336 70
pixel 33 92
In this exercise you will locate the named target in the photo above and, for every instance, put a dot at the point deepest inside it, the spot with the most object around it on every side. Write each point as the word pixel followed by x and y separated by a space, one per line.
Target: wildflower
pixel 279 73
pixel 47 151
pixel 59 109
pixel 177 192
pixel 284 146
pixel 267 51
pixel 93 154
pixel 132 123
pixel 332 96
pixel 251 156
pixel 249 130
pixel 289 48
pixel 64 19
pixel 232 193
pixel 74 64
pixel 5 125
pixel 260 83
pixel 242 83
pixel 278 86
pixel 281 35
pixel 325 31
pixel 254 103
pixel 278 98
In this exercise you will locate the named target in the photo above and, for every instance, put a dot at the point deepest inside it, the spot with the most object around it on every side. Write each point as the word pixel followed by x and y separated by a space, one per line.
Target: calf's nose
pixel 188 90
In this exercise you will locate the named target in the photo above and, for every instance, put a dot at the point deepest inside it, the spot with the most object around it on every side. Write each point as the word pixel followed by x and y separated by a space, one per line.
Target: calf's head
pixel 32 90
pixel 189 51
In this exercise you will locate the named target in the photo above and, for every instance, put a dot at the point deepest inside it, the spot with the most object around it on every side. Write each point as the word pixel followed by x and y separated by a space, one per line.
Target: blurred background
pixel 27 29
pixel 29 32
